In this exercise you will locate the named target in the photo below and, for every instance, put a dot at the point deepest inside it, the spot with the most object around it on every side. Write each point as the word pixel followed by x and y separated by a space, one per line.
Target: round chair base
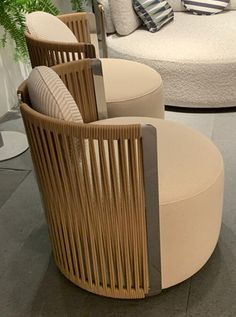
pixel 132 88
pixel 12 144
pixel 191 180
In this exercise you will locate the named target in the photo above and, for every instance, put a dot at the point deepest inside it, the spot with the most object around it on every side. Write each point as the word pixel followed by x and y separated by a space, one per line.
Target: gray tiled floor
pixel 30 284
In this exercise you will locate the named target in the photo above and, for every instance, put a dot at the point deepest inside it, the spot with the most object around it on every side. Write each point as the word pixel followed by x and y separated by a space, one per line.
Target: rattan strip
pixel 42 52
pixel 78 78
pixel 92 186
pixel 78 23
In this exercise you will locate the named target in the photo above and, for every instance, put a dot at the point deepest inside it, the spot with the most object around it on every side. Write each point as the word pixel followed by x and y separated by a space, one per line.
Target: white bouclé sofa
pixel 195 55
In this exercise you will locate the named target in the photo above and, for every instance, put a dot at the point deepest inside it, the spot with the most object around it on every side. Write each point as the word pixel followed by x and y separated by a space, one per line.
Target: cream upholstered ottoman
pixel 191 180
pixel 131 89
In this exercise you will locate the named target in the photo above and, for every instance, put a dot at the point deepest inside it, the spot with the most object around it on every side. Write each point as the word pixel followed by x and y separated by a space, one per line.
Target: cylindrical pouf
pixel 132 89
pixel 191 180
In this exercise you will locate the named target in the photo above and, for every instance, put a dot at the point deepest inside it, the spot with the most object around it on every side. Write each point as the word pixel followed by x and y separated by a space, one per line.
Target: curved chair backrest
pixel 84 80
pixel 82 24
pixel 49 53
pixel 43 52
pixel 95 187
pixel 84 27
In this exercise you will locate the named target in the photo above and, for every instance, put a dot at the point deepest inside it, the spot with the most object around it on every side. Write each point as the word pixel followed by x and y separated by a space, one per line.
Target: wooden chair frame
pixel 100 194
pixel 48 53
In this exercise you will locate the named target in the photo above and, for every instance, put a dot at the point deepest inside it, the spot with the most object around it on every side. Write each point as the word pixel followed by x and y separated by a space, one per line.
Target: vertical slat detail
pixel 92 183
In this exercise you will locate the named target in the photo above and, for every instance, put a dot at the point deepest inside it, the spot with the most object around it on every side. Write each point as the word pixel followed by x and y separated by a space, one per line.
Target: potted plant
pixel 12 19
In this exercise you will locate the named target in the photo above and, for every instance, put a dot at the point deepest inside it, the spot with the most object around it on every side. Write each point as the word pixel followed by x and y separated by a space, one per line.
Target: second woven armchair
pixel 131 88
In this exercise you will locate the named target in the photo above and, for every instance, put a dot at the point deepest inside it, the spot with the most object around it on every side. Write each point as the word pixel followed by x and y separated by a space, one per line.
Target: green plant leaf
pixel 12 19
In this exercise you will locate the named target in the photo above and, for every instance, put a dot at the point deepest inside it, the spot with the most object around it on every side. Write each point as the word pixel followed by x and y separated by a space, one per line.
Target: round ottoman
pixel 191 180
pixel 132 89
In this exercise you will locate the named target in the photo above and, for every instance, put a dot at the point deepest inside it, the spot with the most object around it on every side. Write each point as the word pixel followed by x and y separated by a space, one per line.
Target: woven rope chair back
pixel 50 53
pixel 92 185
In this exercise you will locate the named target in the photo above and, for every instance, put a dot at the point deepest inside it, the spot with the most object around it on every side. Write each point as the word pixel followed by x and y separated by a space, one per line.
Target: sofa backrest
pixel 175 4
pixel 232 5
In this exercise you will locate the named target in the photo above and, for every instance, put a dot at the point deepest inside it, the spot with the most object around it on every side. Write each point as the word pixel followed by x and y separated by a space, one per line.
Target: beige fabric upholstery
pixel 45 26
pixel 124 17
pixel 49 95
pixel 191 175
pixel 132 89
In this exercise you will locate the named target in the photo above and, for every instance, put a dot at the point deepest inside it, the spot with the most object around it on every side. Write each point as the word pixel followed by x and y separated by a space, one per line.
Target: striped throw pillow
pixel 154 13
pixel 205 7
pixel 49 95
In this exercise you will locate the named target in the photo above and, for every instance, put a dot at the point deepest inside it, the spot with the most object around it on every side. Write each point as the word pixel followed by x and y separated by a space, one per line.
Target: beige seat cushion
pixel 49 95
pixel 132 89
pixel 191 175
pixel 43 25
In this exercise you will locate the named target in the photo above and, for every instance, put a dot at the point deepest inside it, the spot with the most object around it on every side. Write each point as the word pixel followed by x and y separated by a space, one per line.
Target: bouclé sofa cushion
pixel 49 95
pixel 124 16
pixel 205 7
pixel 154 13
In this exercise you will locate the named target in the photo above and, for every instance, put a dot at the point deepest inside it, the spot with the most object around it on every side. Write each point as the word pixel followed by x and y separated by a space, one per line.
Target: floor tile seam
pixel 188 299
pixel 169 310
pixel 27 174
pixel 14 169
pixel 217 139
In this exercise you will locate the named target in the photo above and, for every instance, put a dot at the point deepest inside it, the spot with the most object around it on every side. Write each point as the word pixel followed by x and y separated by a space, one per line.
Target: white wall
pixel 12 73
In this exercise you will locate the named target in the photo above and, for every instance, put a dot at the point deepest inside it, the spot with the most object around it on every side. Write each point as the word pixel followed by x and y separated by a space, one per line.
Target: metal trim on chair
pixel 150 168
pixel 99 89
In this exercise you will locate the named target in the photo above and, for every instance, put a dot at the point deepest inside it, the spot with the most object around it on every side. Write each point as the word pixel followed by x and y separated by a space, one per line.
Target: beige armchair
pixel 131 88
pixel 124 220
